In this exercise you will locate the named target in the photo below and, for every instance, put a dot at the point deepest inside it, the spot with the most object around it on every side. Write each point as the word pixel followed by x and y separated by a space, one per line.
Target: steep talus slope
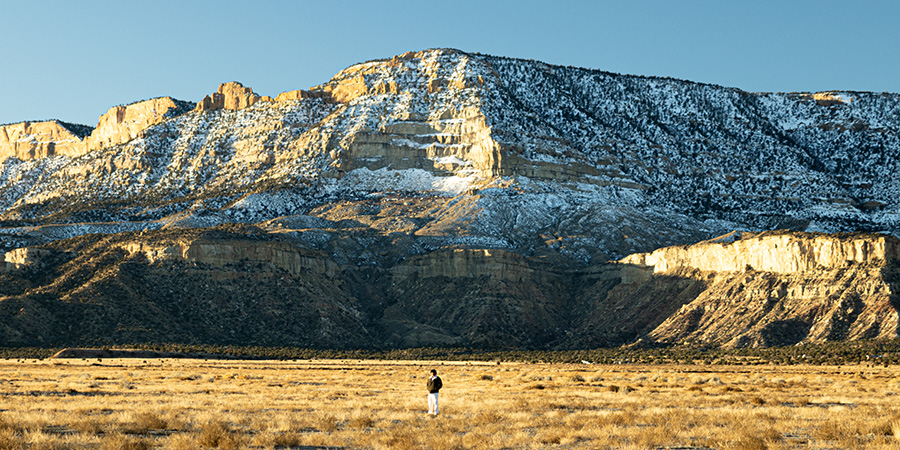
pixel 200 286
pixel 779 289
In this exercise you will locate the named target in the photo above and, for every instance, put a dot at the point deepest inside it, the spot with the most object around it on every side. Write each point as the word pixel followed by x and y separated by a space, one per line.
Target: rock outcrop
pixel 24 257
pixel 34 140
pixel 775 288
pixel 123 123
pixel 231 96
pixel 279 255
pixel 38 140
pixel 773 252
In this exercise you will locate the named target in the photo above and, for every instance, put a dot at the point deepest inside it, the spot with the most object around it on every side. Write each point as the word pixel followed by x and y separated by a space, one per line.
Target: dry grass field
pixel 187 404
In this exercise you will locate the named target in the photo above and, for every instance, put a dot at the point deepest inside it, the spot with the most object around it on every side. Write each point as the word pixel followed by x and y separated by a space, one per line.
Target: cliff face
pixel 279 255
pixel 765 309
pixel 34 140
pixel 28 141
pixel 231 96
pixel 779 289
pixel 123 123
pixel 772 252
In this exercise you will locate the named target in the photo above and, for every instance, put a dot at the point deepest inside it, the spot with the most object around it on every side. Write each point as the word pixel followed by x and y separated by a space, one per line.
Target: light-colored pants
pixel 433 403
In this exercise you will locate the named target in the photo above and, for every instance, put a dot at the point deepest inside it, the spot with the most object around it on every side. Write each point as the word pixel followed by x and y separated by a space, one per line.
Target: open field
pixel 184 404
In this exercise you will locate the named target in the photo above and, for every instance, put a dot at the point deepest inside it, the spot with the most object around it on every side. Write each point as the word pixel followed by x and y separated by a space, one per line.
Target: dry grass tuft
pixel 895 428
pixel 182 442
pixel 831 431
pixel 151 421
pixel 552 437
pixel 278 440
pixel 218 434
pixel 7 424
pixel 9 440
pixel 144 423
pixel 38 440
pixel 88 426
pixel 361 421
pixel 486 417
pixel 399 438
pixel 119 441
pixel 327 423
pixel 748 442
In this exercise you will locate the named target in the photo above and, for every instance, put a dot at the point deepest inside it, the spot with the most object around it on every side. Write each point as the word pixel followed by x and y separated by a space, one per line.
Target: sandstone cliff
pixel 123 123
pixel 772 252
pixel 38 140
pixel 20 258
pixel 778 288
pixel 230 96
pixel 278 255
pixel 33 140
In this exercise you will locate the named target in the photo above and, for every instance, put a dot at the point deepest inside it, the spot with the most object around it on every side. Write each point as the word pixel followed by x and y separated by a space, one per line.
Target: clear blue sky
pixel 73 60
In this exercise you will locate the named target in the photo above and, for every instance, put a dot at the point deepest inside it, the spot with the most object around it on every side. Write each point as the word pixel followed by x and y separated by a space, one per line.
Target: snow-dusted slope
pixel 497 152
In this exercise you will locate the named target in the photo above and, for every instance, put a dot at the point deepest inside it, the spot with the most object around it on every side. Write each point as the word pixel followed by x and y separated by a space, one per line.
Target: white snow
pixel 452 160
pixel 407 180
pixel 419 145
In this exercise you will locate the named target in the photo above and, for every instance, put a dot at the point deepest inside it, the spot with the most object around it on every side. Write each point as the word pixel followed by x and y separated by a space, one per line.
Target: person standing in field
pixel 434 385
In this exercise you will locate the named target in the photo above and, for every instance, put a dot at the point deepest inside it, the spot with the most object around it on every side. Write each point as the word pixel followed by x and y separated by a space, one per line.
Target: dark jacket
pixel 434 384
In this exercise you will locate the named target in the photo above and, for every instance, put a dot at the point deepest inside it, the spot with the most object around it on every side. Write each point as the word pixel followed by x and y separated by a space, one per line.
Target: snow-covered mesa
pixel 587 164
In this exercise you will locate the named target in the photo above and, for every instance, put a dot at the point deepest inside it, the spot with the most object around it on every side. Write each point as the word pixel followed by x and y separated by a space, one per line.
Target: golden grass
pixel 191 404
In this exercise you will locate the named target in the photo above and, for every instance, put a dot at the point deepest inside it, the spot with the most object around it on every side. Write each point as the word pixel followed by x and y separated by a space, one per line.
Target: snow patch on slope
pixel 407 180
